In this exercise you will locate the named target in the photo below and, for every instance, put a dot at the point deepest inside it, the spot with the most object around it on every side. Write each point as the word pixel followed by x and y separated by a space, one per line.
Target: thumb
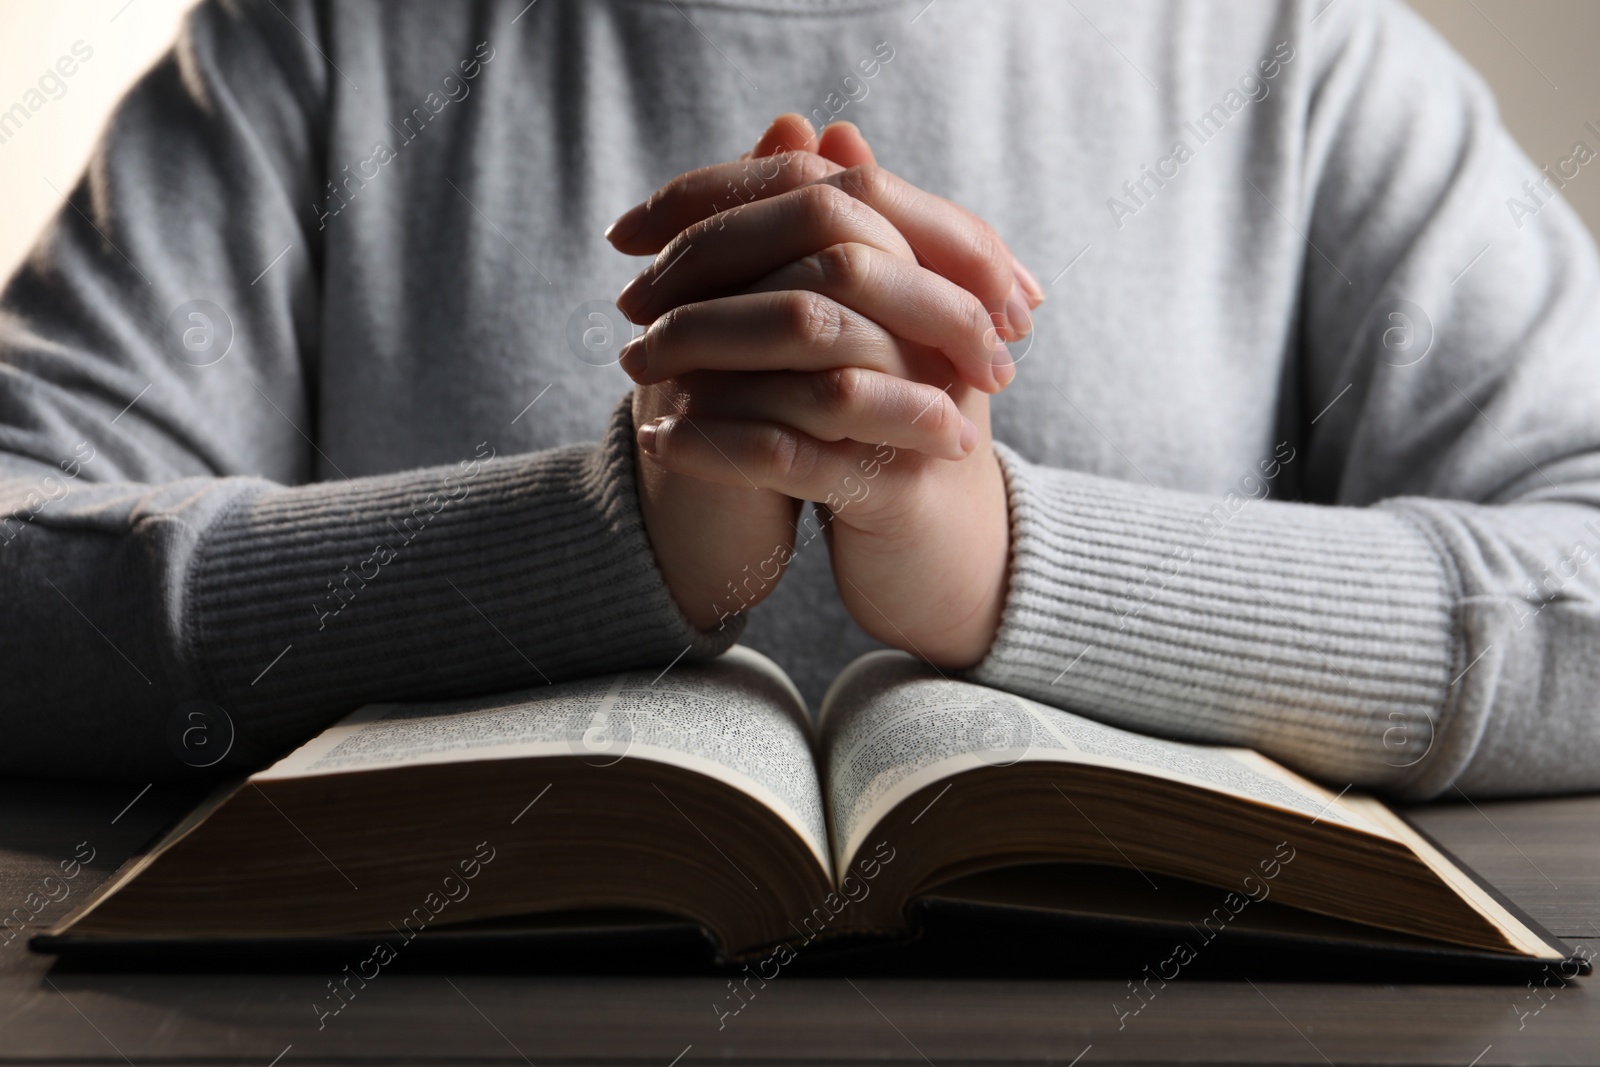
pixel 842 142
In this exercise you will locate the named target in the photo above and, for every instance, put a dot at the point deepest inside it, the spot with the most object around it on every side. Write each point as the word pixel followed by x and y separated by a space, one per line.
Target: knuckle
pixel 666 195
pixel 785 456
pixel 809 167
pixel 984 325
pixel 844 265
pixel 826 208
pixel 868 181
pixel 938 413
pixel 842 393
pixel 672 324
pixel 696 231
pixel 990 253
pixel 987 245
pixel 815 320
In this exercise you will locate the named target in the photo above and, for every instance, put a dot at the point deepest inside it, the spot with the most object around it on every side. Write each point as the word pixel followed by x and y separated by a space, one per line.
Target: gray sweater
pixel 1304 453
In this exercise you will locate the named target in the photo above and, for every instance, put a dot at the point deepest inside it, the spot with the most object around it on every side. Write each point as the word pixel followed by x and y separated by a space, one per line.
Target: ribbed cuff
pixel 1323 637
pixel 490 574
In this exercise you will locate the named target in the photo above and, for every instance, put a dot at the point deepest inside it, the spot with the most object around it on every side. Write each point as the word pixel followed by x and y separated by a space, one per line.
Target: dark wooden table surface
pixel 1545 855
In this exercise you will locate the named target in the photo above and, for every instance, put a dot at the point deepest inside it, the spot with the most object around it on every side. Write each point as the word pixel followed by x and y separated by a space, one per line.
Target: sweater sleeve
pixel 1427 618
pixel 163 544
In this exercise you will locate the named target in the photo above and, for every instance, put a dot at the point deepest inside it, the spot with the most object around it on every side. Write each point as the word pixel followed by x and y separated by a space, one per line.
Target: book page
pixel 737 718
pixel 891 725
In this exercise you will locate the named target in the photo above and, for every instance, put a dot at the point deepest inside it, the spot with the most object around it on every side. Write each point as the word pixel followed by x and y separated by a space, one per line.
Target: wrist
pixel 937 585
pixel 984 568
pixel 720 549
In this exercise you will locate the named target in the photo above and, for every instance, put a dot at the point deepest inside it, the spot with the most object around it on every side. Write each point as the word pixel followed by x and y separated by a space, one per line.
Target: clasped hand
pixel 819 329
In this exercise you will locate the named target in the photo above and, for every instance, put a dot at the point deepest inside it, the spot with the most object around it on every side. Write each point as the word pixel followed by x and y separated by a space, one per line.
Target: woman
pixel 1300 453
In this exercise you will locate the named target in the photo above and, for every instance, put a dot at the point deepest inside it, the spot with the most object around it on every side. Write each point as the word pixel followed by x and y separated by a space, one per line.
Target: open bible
pixel 705 793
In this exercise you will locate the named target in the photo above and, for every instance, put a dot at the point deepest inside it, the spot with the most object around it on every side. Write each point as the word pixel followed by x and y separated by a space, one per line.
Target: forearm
pixel 289 606
pixel 1360 645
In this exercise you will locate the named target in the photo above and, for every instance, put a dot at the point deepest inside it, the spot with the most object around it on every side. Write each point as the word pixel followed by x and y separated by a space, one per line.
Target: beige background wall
pixel 53 145
pixel 1540 57
pixel 1538 54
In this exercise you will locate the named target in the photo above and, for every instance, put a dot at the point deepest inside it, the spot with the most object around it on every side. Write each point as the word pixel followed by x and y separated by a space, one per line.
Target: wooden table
pixel 1545 855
